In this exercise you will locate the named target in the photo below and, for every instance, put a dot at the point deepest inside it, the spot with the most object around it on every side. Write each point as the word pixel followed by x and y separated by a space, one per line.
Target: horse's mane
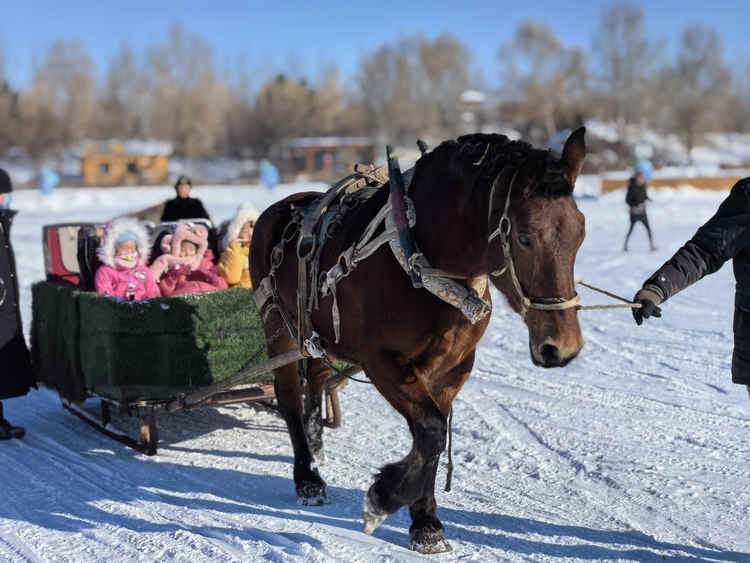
pixel 479 157
pixel 476 160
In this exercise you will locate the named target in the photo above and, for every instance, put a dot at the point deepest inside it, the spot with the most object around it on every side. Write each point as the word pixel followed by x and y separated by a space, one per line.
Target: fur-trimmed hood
pixel 114 229
pixel 245 212
pixel 192 232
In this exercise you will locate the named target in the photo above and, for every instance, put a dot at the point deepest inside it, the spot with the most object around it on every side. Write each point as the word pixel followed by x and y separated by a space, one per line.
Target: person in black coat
pixel 183 206
pixel 724 236
pixel 636 198
pixel 16 373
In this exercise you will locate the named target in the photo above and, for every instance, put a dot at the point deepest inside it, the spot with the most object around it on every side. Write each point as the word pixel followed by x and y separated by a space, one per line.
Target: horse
pixel 486 207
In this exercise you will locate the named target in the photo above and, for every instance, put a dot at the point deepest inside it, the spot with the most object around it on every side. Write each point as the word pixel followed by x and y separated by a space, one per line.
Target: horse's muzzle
pixel 548 355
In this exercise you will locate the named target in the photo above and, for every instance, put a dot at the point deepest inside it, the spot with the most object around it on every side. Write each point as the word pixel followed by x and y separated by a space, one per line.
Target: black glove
pixel 649 298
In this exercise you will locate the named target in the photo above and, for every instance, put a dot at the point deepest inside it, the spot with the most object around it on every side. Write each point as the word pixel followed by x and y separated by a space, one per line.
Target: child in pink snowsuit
pixel 123 255
pixel 187 263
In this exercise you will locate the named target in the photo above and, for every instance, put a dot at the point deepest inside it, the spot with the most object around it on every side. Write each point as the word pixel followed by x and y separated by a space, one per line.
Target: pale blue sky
pixel 311 35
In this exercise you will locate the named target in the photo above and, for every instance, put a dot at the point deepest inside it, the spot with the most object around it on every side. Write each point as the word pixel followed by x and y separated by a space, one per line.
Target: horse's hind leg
pixel 311 489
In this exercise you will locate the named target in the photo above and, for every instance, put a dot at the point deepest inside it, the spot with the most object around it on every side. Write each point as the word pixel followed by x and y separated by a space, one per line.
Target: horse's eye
pixel 524 240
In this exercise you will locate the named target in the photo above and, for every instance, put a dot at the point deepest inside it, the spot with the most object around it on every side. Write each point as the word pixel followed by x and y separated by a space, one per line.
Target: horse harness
pixel 316 223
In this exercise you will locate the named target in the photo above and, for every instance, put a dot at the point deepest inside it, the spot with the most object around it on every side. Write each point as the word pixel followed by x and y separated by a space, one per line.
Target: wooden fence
pixel 705 183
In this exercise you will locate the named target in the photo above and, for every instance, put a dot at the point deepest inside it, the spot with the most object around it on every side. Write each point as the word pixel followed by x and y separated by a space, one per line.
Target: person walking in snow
pixel 636 198
pixel 16 373
pixel 724 236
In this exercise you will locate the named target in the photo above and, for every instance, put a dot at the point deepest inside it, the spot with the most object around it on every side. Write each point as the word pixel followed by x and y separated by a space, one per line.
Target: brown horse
pixel 417 349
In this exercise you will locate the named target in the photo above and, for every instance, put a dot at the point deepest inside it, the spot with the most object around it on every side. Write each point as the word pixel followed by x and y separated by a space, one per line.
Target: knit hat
pixel 126 235
pixel 183 180
pixel 5 185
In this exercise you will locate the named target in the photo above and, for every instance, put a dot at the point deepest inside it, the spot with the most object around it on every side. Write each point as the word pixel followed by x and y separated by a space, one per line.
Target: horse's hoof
pixel 430 542
pixel 441 546
pixel 312 494
pixel 373 519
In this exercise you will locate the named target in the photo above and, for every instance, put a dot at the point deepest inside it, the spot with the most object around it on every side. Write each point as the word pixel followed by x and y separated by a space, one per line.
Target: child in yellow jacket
pixel 233 264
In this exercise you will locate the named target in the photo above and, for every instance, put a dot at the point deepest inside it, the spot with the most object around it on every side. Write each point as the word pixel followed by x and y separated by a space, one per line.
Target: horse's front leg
pixel 316 376
pixel 426 531
pixel 403 483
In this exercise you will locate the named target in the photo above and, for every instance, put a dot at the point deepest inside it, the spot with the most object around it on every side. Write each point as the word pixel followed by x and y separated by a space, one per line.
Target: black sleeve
pixel 168 214
pixel 629 194
pixel 203 212
pixel 721 238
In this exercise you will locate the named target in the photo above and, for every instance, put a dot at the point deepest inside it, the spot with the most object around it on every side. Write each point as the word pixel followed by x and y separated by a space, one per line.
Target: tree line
pixel 408 89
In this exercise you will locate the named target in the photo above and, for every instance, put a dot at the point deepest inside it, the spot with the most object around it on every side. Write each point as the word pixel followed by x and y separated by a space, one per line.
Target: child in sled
pixel 123 254
pixel 187 263
pixel 234 264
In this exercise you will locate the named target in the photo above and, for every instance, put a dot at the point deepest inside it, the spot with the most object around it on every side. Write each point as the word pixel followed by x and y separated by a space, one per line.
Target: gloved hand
pixel 649 298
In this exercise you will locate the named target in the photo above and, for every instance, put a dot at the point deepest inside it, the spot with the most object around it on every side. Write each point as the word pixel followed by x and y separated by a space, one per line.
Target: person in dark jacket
pixel 16 373
pixel 724 236
pixel 636 198
pixel 183 206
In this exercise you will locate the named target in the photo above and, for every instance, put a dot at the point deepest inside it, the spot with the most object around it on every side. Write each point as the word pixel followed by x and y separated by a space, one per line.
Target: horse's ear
pixel 573 155
pixel 530 172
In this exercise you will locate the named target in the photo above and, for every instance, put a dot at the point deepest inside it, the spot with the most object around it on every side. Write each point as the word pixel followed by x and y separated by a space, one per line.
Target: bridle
pixel 503 231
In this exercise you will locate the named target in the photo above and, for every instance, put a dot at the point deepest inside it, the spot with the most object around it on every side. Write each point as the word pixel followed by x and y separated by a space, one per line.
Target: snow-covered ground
pixel 637 451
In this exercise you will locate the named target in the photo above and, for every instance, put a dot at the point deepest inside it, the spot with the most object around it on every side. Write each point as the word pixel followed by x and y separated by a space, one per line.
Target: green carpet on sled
pixel 55 336
pixel 82 340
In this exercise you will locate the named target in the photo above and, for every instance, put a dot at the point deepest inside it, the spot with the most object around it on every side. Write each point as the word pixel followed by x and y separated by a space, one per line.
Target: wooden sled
pixel 149 358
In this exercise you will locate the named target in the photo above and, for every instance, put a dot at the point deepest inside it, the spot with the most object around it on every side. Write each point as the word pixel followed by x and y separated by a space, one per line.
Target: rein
pixel 503 230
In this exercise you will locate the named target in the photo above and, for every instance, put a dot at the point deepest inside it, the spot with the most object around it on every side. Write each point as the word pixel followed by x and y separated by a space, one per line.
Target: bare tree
pixel 121 110
pixel 240 112
pixel 445 65
pixel 326 103
pixel 540 75
pixel 412 89
pixel 626 58
pixel 188 100
pixel 737 117
pixel 698 85
pixel 58 110
pixel 283 111
pixel 8 108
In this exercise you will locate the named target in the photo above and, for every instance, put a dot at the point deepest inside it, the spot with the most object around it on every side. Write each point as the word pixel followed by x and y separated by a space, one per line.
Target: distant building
pixel 110 163
pixel 329 158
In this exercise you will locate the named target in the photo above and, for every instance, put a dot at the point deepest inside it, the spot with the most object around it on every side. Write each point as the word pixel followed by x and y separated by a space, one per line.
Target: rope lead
pixel 628 304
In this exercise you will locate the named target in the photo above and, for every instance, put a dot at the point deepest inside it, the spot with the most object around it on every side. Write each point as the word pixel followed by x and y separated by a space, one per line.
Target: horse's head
pixel 536 230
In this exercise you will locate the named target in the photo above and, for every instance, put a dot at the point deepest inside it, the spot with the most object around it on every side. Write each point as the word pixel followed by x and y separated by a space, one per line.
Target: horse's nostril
pixel 549 354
